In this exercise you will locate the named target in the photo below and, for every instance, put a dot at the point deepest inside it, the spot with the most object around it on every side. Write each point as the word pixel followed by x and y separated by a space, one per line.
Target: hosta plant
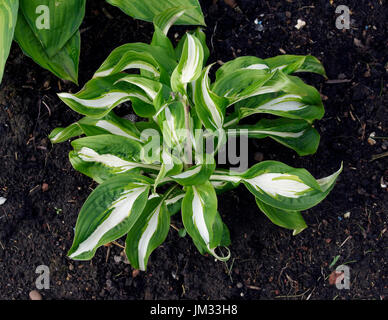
pixel 149 170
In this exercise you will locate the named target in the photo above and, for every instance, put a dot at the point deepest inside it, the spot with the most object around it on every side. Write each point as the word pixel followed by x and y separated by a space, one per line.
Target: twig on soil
pixel 118 244
pixel 378 156
pixel 338 81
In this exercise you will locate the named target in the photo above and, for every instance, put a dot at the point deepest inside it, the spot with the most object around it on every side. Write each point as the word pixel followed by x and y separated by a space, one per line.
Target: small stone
pixel 371 141
pixel 239 285
pixel 45 187
pixel 2 200
pixel 300 24
pixel 117 259
pixel 71 267
pixel 35 295
pixel 258 156
pixel 347 215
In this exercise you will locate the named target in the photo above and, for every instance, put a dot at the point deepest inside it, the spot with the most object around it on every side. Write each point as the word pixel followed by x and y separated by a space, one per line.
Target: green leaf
pixel 53 23
pixel 298 135
pixel 100 95
pixel 284 96
pixel 201 36
pixel 59 135
pixel 8 17
pixel 105 156
pixel 209 106
pixel 158 53
pixel 64 64
pixel 147 10
pixel 247 63
pixel 195 175
pixel 293 63
pixel 190 65
pixel 148 233
pixel 284 218
pixel 282 186
pixel 171 120
pixel 109 124
pixel 110 212
pixel 199 215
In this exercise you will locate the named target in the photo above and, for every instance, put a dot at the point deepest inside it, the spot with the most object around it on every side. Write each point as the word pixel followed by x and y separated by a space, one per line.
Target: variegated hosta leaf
pixel 282 186
pixel 201 36
pixel 104 156
pixel 136 60
pixel 247 62
pixel 244 83
pixel 110 212
pixel 171 120
pixel 110 124
pixel 221 186
pixel 148 233
pixel 171 165
pixel 195 175
pixel 59 134
pixel 293 63
pixel 201 219
pixel 147 10
pixel 190 65
pixel 8 17
pixel 209 106
pixel 174 201
pixel 285 96
pixel 298 135
pixel 162 23
pixel 159 54
pixel 166 19
pixel 101 95
pixel 284 218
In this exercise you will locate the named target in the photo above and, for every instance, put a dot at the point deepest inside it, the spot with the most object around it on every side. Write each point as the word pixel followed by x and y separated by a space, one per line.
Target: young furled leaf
pixel 190 65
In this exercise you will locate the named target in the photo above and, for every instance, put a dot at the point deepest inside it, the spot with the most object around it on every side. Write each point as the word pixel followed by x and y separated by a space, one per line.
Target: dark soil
pixel 36 226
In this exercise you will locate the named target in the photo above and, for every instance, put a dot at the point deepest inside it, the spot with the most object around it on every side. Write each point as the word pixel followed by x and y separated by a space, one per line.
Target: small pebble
pixel 239 285
pixel 347 215
pixel 35 295
pixel 371 141
pixel 2 200
pixel 45 187
pixel 300 24
pixel 258 156
pixel 117 259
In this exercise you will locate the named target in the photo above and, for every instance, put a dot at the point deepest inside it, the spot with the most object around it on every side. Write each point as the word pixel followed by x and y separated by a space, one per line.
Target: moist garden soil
pixel 44 193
